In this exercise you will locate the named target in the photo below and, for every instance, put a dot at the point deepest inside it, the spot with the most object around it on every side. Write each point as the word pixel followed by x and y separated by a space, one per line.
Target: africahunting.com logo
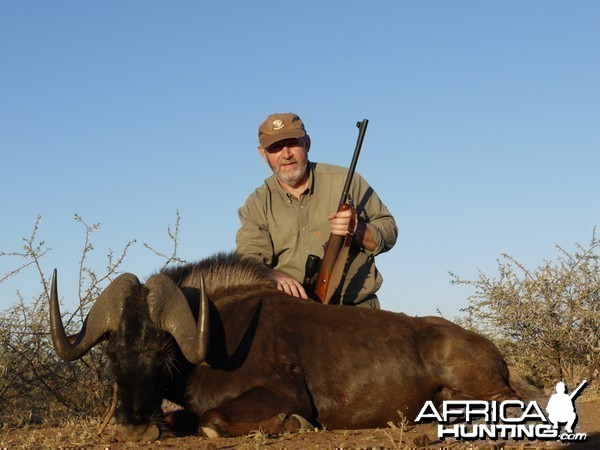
pixel 511 419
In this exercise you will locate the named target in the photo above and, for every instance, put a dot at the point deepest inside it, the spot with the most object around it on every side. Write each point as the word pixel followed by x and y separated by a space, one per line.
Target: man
pixel 560 408
pixel 293 213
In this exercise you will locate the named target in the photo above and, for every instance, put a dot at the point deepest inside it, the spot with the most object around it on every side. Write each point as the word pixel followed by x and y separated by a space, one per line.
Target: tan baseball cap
pixel 278 127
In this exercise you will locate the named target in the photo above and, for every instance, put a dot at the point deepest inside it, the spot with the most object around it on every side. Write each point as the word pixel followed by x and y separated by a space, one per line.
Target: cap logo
pixel 278 125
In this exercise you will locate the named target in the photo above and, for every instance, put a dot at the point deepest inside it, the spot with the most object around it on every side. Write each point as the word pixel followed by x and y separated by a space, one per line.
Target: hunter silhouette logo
pixel 510 419
pixel 561 408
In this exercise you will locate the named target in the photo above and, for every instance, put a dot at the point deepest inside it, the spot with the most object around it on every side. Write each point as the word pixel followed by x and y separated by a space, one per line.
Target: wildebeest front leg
pixel 256 409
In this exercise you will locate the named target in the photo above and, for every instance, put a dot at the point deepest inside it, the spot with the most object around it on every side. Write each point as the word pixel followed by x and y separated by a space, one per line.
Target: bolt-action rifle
pixel 322 277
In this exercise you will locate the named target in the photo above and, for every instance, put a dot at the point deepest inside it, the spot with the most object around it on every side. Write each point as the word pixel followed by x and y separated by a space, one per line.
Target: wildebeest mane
pixel 222 272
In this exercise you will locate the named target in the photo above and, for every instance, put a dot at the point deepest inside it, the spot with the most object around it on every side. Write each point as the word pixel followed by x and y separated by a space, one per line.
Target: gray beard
pixel 292 178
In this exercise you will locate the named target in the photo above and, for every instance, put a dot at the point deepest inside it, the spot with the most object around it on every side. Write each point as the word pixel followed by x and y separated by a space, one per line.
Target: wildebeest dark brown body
pixel 273 360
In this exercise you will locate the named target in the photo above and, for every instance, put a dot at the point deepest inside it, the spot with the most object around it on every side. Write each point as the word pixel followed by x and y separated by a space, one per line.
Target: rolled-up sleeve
pixel 376 215
pixel 385 233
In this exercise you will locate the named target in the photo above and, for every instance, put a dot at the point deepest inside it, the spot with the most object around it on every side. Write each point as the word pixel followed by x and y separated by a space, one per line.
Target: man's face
pixel 288 159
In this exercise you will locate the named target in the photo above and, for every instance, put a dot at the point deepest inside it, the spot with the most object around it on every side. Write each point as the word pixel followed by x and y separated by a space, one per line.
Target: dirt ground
pixel 423 436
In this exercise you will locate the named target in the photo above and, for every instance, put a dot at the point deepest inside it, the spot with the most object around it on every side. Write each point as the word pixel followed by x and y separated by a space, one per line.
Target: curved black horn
pixel 103 317
pixel 170 311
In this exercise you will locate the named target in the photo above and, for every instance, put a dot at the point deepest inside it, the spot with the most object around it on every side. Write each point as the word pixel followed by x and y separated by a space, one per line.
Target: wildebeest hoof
pixel 295 422
pixel 181 421
pixel 138 433
pixel 305 425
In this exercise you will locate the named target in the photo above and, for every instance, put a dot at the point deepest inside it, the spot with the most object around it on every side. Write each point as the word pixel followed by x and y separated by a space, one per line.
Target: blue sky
pixel 483 134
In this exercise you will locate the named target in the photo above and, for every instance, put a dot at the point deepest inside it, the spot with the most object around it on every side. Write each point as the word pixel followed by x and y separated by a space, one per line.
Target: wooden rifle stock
pixel 336 252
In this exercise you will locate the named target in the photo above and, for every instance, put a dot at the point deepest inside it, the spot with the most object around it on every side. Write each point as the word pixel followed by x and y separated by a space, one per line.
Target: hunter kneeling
pixel 297 209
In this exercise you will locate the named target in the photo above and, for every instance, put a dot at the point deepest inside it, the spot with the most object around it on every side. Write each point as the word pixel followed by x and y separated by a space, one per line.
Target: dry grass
pixel 82 434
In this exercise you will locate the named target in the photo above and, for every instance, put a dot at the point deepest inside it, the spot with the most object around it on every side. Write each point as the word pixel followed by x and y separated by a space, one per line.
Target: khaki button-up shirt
pixel 282 231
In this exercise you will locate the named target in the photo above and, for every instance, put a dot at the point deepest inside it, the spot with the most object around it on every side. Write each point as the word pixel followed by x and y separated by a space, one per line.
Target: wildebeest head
pixel 140 322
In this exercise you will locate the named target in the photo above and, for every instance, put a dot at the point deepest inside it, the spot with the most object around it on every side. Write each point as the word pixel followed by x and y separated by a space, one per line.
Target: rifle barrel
pixel 362 129
pixel 577 389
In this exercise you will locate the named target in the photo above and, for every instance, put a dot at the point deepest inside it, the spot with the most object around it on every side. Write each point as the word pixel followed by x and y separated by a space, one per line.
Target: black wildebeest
pixel 258 358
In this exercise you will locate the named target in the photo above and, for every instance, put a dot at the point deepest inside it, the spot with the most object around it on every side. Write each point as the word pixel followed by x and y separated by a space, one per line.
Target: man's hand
pixel 288 284
pixel 343 222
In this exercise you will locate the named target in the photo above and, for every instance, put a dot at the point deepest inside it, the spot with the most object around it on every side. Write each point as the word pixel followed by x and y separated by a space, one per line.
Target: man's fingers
pixel 343 222
pixel 293 288
pixel 302 292
pixel 284 287
pixel 346 213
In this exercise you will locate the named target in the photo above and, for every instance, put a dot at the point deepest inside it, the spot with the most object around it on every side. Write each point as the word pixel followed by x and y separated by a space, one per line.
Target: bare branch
pixel 174 236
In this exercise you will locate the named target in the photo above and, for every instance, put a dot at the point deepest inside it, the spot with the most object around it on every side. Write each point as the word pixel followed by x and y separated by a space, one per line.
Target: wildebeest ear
pixel 170 312
pixel 102 318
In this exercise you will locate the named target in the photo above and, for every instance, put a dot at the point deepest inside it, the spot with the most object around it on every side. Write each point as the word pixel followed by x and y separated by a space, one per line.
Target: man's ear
pixel 261 152
pixel 307 143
